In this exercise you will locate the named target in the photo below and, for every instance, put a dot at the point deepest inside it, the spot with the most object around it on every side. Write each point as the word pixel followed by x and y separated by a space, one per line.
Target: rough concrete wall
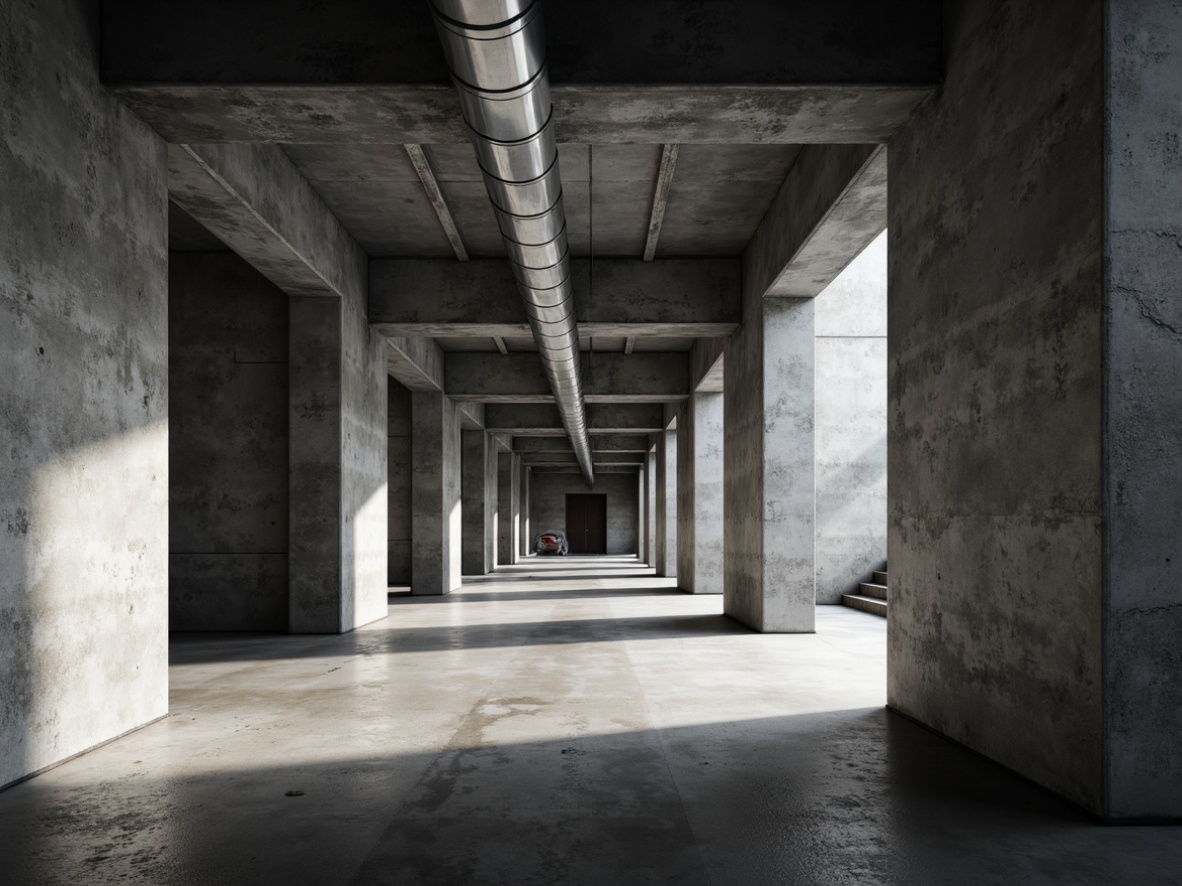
pixel 398 424
pixel 525 535
pixel 650 510
pixel 492 507
pixel 1143 412
pixel 83 401
pixel 363 446
pixel 548 505
pixel 700 494
pixel 507 513
pixel 769 569
pixel 474 505
pixel 435 494
pixel 995 394
pixel 227 394
pixel 851 446
pixel 667 504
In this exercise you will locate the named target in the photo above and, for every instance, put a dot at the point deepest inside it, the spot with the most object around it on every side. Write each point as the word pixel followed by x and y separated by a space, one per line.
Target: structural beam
pixel 518 378
pixel 599 443
pixel 669 298
pixel 660 199
pixel 417 363
pixel 832 204
pixel 419 160
pixel 255 200
pixel 706 366
pixel 541 419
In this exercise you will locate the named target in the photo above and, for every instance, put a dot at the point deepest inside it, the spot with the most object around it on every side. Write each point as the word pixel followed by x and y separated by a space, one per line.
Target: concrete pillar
pixel 641 517
pixel 769 581
pixel 666 446
pixel 524 534
pixel 478 502
pixel 650 497
pixel 337 451
pixel 506 508
pixel 700 494
pixel 399 470
pixel 435 495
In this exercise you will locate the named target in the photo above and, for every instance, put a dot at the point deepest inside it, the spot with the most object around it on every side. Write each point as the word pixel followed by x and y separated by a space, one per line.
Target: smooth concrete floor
pixel 570 721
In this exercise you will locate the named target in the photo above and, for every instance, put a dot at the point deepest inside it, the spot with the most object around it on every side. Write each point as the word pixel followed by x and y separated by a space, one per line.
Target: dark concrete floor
pixel 569 721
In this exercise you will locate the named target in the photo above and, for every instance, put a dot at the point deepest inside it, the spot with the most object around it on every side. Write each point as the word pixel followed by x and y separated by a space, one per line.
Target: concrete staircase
pixel 871 596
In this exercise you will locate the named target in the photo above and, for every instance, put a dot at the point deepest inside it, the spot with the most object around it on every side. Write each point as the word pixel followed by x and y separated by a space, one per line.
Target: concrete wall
pixel 83 401
pixel 1143 411
pixel 996 208
pixel 548 505
pixel 228 495
pixel 398 473
pixel 851 424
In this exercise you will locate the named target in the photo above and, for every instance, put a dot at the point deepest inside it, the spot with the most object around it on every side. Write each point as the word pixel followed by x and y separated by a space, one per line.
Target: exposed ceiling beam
pixel 417 363
pixel 499 341
pixel 599 443
pixel 541 419
pixel 518 378
pixel 419 160
pixel 660 199
pixel 629 344
pixel 668 298
pixel 706 366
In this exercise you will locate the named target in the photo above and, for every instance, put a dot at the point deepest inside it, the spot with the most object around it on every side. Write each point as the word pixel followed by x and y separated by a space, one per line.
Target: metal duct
pixel 496 52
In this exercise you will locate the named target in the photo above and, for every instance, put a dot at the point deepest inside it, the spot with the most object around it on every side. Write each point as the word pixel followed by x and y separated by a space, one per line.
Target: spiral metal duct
pixel 496 53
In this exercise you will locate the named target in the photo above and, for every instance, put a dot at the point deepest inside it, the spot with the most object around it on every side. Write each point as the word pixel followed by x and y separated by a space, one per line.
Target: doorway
pixel 586 523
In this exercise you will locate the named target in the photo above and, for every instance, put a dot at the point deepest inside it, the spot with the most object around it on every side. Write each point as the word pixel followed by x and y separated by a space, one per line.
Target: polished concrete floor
pixel 566 722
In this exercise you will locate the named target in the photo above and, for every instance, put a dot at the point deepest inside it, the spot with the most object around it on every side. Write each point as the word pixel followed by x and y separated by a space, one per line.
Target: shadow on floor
pixel 845 796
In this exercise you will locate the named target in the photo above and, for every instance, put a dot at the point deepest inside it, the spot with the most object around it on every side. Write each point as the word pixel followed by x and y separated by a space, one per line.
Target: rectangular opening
pixel 586 523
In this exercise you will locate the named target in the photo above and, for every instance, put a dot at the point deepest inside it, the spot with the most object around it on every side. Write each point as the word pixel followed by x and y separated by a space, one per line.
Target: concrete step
pixel 866 604
pixel 868 589
pixel 880 578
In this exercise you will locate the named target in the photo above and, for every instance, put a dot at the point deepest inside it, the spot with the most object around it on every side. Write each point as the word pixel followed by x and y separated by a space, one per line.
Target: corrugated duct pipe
pixel 496 52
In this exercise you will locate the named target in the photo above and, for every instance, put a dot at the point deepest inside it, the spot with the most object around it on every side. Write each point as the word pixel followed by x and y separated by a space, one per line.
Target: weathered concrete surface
pixel 416 363
pixel 831 205
pixel 666 510
pixel 83 401
pixel 700 436
pixel 994 488
pixel 525 531
pixel 399 473
pixel 769 581
pixel 435 496
pixel 1143 412
pixel 611 378
pixel 548 492
pixel 541 419
pixel 707 366
pixel 650 506
pixel 228 441
pixel 851 447
pixel 337 455
pixel 669 297
pixel 600 443
pixel 478 502
pixel 258 204
pixel 506 507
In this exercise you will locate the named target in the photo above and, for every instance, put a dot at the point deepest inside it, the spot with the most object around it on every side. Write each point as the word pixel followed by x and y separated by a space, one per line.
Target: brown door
pixel 586 523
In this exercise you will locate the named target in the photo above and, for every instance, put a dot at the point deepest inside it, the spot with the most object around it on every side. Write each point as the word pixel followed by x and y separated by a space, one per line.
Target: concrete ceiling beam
pixel 541 419
pixel 255 200
pixel 417 363
pixel 832 204
pixel 430 297
pixel 609 378
pixel 706 366
pixel 660 200
pixel 599 443
pixel 419 160
pixel 574 469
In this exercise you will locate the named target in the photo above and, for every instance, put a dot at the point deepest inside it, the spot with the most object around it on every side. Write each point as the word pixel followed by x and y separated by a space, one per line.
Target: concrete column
pixel 650 497
pixel 666 509
pixel 506 508
pixel 769 581
pixel 337 450
pixel 524 534
pixel 477 508
pixel 700 494
pixel 492 513
pixel 435 495
pixel 641 517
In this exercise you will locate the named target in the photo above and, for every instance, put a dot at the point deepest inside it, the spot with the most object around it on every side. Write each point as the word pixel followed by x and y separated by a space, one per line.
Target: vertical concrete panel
pixel 526 534
pixel 667 504
pixel 83 398
pixel 650 508
pixel 995 391
pixel 436 529
pixel 708 493
pixel 472 456
pixel 1143 412
pixel 851 449
pixel 506 508
pixel 769 558
pixel 228 483
pixel 492 515
pixel 399 472
pixel 685 497
pixel 515 505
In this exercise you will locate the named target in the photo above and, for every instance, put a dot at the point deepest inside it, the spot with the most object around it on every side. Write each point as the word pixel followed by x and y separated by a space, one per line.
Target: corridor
pixel 565 721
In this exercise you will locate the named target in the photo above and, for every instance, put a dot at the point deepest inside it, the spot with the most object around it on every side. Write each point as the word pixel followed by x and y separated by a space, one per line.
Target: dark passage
pixel 586 523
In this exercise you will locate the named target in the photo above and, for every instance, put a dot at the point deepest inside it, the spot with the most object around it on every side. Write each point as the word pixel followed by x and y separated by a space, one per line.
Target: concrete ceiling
pixel 717 197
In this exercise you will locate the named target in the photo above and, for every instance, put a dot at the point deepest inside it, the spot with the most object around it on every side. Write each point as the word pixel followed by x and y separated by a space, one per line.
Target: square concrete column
pixel 666 447
pixel 337 461
pixel 650 498
pixel 506 508
pixel 641 516
pixel 478 487
pixel 769 569
pixel 524 534
pixel 700 494
pixel 435 495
